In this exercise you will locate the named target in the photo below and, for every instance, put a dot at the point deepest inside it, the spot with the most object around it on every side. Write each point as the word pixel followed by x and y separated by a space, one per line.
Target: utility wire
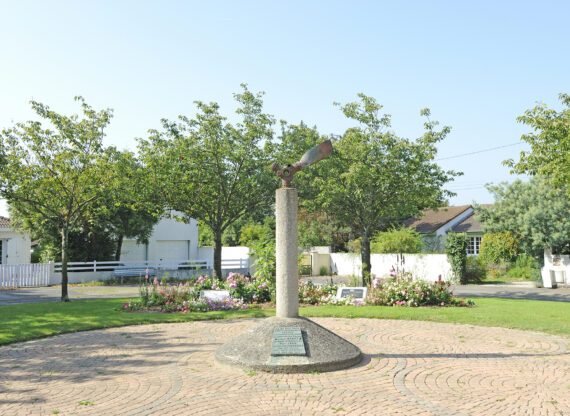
pixel 478 151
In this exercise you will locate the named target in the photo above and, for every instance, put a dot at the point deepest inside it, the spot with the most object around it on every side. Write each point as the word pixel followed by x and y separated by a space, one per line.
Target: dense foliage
pixel 536 213
pixel 397 240
pixel 456 250
pixel 550 145
pixel 498 247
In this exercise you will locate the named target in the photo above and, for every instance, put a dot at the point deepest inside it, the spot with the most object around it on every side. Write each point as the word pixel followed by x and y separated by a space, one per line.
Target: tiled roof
pixel 471 224
pixel 4 222
pixel 431 220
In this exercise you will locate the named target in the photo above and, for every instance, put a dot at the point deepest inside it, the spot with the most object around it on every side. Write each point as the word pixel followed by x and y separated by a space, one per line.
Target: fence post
pixel 51 272
pixel 94 265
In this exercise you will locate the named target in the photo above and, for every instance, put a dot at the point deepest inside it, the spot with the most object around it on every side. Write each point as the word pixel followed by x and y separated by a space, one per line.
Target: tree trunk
pixel 64 242
pixel 217 254
pixel 365 256
pixel 119 246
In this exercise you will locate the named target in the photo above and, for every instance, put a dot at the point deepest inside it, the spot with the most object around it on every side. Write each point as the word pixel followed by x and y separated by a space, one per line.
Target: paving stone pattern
pixel 410 367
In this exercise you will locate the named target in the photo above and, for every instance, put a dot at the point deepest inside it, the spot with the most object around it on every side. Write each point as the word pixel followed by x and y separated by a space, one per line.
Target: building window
pixel 473 246
pixel 1 252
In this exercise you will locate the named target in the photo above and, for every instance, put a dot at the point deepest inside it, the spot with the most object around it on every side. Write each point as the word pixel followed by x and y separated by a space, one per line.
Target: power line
pixel 479 151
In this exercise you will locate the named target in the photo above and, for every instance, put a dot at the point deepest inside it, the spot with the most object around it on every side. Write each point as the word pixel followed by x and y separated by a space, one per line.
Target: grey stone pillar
pixel 287 291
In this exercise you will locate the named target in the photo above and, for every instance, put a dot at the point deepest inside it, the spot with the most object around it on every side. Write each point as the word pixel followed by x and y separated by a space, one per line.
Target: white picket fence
pixel 25 275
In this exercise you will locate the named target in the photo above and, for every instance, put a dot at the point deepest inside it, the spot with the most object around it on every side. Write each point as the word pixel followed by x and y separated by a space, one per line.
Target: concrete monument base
pixel 325 351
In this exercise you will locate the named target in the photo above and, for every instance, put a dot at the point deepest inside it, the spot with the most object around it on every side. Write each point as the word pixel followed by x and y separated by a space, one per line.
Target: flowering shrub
pixel 186 297
pixel 310 293
pixel 403 290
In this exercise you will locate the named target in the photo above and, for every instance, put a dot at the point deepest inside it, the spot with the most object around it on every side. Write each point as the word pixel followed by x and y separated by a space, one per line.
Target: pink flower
pixel 442 304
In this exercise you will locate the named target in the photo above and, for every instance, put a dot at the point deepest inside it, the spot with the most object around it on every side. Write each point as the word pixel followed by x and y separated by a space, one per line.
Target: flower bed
pixel 403 290
pixel 398 290
pixel 244 292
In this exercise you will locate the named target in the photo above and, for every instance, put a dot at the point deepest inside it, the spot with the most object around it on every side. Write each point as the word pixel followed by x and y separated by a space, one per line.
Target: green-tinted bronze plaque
pixel 287 341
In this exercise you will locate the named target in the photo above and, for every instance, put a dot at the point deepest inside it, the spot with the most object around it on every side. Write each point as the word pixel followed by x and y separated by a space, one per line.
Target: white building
pixel 170 240
pixel 14 246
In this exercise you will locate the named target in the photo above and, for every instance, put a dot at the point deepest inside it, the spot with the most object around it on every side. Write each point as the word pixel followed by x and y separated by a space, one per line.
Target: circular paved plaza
pixel 409 367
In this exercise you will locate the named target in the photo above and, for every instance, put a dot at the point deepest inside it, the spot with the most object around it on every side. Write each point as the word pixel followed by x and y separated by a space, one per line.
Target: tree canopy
pixel 375 179
pixel 211 170
pixel 550 144
pixel 55 174
pixel 536 213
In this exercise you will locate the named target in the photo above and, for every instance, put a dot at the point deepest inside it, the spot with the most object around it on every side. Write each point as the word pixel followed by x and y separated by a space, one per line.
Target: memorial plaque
pixel 556 261
pixel 214 294
pixel 355 292
pixel 287 341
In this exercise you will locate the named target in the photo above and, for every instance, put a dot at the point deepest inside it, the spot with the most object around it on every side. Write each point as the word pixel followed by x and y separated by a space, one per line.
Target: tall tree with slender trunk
pixel 375 179
pixel 211 170
pixel 54 174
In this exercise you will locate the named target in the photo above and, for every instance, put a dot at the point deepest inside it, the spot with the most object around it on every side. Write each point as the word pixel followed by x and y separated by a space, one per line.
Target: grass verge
pixel 37 320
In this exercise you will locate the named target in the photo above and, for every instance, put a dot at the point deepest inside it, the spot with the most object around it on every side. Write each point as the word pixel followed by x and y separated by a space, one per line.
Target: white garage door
pixel 131 251
pixel 172 249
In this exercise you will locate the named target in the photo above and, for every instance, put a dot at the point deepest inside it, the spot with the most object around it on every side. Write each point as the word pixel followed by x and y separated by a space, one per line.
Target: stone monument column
pixel 287 273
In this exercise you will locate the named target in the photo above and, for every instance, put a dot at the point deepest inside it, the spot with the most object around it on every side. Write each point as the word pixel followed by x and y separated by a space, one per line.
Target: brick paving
pixel 409 367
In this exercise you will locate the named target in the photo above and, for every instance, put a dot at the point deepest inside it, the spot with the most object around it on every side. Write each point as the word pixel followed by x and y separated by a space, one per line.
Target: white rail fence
pixel 25 275
pixel 45 274
pixel 104 266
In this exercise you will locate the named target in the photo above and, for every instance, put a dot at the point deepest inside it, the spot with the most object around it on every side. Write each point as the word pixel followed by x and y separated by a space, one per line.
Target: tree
pixel 536 213
pixel 456 250
pixel 53 177
pixel 128 209
pixel 397 240
pixel 498 247
pixel 550 145
pixel 211 170
pixel 374 179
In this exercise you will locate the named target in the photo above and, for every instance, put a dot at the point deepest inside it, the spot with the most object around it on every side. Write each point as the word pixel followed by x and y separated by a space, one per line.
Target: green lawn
pixel 36 320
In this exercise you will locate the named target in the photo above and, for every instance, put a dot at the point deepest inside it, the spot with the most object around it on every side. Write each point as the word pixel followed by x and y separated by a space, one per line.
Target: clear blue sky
pixel 478 65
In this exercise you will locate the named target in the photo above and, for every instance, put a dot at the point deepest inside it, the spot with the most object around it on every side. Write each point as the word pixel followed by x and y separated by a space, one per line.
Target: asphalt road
pixel 53 294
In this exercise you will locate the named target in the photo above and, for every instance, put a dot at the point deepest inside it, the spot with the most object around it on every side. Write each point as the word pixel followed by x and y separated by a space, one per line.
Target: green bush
pixel 264 253
pixel 523 267
pixel 397 240
pixel 475 270
pixel 498 247
pixel 456 250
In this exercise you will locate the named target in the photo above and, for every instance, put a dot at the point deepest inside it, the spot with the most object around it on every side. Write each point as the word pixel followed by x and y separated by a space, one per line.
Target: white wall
pixel 170 240
pixel 15 247
pixel 423 266
pixel 556 270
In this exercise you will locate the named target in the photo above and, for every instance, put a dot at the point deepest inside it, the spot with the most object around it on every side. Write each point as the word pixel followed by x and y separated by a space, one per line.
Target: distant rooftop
pixel 432 219
pixel 471 224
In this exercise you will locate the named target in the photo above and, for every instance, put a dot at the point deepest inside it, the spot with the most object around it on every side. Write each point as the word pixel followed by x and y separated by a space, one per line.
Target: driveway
pixel 53 294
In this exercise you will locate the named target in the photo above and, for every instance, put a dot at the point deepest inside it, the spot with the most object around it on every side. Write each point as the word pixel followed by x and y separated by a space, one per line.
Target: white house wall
pixel 170 240
pixel 15 247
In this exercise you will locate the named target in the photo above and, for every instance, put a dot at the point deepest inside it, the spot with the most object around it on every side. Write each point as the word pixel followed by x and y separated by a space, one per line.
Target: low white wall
pixel 556 270
pixel 423 266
